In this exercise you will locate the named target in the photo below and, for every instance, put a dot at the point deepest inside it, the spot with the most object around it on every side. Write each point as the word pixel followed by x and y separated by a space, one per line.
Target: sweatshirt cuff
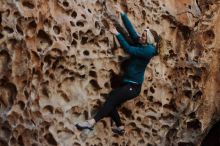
pixel 117 34
pixel 122 14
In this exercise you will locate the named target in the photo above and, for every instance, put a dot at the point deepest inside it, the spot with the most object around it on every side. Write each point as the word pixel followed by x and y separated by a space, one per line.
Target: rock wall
pixel 58 63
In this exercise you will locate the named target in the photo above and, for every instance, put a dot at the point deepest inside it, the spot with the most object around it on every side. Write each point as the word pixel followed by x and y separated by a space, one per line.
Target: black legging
pixel 115 98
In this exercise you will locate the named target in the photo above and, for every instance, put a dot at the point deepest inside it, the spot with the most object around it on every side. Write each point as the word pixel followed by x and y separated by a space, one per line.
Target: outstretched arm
pixel 127 23
pixel 135 51
pixel 130 28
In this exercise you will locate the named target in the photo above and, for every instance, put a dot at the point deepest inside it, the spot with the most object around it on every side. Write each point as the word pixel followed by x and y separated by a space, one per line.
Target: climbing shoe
pixel 118 131
pixel 84 125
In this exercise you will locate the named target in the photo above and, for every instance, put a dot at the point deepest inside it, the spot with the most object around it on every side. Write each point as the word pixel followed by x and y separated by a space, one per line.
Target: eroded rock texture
pixel 57 66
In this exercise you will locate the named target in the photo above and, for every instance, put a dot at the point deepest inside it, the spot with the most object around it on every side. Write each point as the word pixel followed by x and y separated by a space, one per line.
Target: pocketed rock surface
pixel 57 59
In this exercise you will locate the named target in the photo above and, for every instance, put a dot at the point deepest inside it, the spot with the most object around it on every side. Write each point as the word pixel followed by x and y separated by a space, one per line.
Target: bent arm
pixel 135 51
pixel 133 34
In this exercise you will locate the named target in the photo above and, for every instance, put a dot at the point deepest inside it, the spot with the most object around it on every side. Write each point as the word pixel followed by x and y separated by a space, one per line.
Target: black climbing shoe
pixel 118 131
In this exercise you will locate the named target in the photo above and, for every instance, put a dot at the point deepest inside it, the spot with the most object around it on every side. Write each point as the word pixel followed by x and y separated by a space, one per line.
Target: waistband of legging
pixel 131 82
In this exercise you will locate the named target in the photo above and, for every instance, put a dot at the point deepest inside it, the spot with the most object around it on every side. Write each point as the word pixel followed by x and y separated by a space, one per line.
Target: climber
pixel 140 55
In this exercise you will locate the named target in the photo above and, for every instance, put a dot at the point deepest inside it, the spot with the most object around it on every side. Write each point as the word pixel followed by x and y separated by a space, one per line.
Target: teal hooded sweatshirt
pixel 140 55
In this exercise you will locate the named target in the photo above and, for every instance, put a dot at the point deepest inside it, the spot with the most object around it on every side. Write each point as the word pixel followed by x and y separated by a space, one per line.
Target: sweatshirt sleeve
pixel 135 51
pixel 127 23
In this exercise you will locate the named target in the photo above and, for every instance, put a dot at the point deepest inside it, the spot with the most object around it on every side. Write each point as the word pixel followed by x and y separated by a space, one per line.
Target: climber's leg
pixel 116 98
pixel 115 117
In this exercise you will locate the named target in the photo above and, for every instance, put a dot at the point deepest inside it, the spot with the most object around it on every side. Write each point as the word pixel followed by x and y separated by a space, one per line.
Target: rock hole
pixel 145 92
pixel 186 31
pixel 107 85
pixel 32 24
pixel 105 23
pixel 28 4
pixel 45 92
pixel 80 23
pixel 84 40
pixel 74 43
pixel 92 74
pixel 19 29
pixel 144 14
pixel 74 14
pixel 1 35
pixel 66 4
pixel 65 96
pixel 56 29
pixel 140 104
pixel 76 110
pixel 152 90
pixel 6 130
pixel 58 111
pixel 102 32
pixel 8 29
pixel 127 112
pixel 187 93
pixel 8 100
pixel 75 35
pixel 150 98
pixel 76 144
pixel 13 141
pixel 192 115
pixel 139 119
pixel 194 124
pixel 20 140
pixel 167 117
pixel 72 23
pixel 84 16
pixel 3 142
pixel 44 37
pixel 21 105
pixel 171 134
pixel 52 76
pixel 97 25
pixel 195 77
pixel 208 36
pixel 171 106
pixel 50 139
pixel 95 84
pixel 48 108
pixel 197 95
pixel 189 6
pixel 86 53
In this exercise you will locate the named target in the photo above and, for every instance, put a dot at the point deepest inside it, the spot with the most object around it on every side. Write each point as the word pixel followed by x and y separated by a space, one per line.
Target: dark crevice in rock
pixel 44 37
pixel 185 144
pixel 28 4
pixel 213 136
pixel 50 139
pixel 185 30
pixel 127 112
pixel 95 84
pixel 194 124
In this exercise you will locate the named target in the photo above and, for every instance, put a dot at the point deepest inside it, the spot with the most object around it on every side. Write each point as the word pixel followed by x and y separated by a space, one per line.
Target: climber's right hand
pixel 112 28
pixel 118 9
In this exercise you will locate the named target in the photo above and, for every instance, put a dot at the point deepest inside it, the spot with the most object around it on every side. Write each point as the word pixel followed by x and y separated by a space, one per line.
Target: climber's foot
pixel 119 130
pixel 84 125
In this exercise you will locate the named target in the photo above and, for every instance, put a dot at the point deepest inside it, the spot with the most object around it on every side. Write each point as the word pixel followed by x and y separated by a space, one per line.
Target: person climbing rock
pixel 141 52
